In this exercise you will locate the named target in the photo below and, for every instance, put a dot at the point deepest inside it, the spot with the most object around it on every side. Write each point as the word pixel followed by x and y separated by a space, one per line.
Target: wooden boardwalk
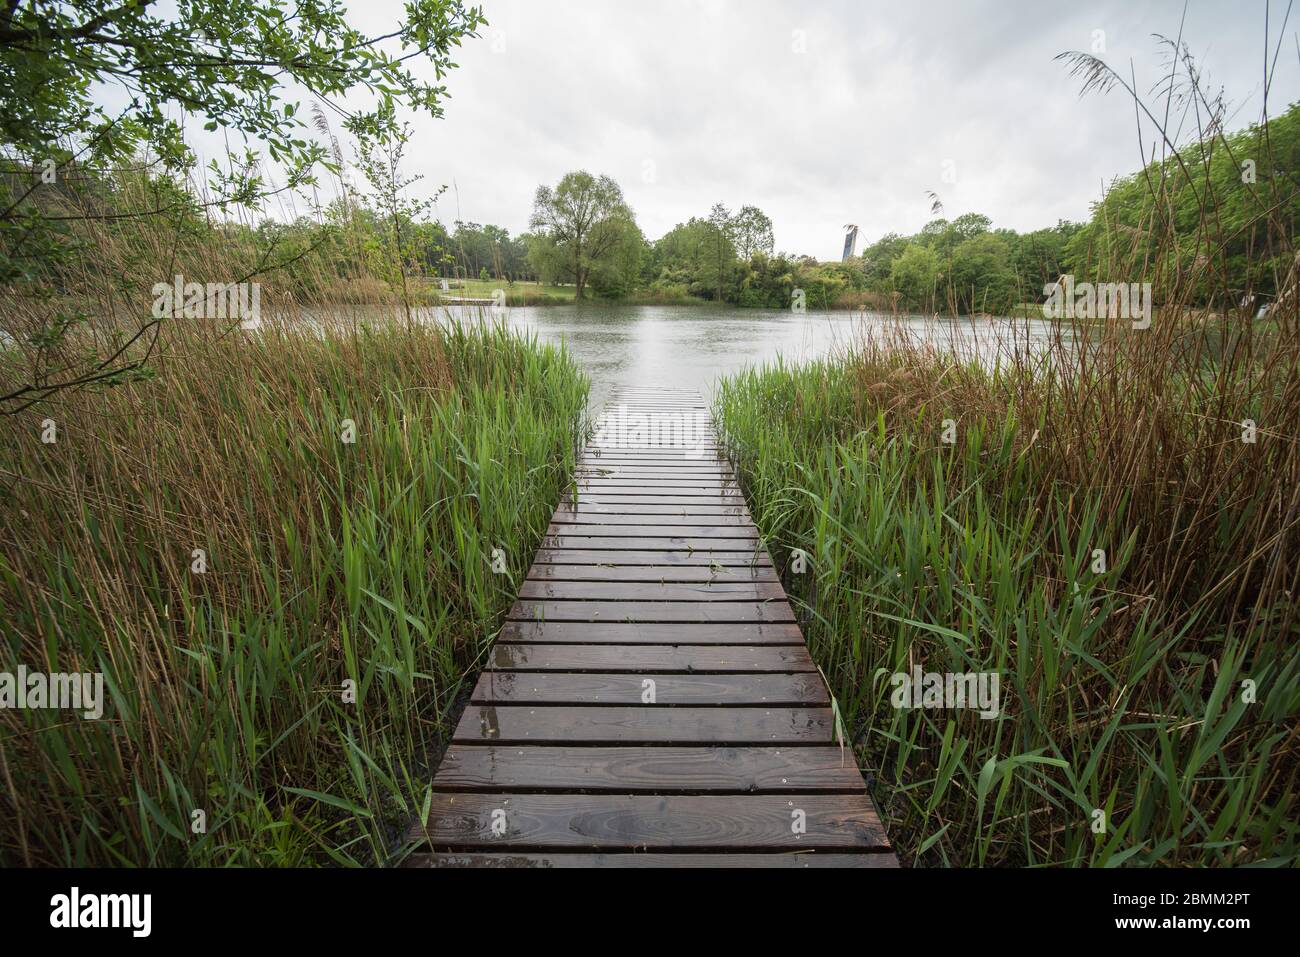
pixel 650 700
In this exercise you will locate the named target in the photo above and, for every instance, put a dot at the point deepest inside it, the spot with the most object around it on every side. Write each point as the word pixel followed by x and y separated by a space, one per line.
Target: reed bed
pixel 294 687
pixel 1098 533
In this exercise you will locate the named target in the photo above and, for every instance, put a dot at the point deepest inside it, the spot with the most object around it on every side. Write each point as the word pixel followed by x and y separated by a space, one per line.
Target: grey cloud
pixel 856 129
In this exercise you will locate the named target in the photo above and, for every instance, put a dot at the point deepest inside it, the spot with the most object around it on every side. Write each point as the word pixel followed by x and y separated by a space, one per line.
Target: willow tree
pixel 583 219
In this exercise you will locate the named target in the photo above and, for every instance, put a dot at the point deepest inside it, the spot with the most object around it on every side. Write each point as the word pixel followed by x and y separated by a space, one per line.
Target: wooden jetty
pixel 650 700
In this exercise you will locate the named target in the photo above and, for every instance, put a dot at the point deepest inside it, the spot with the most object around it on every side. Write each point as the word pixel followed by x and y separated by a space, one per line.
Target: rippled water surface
pixel 689 347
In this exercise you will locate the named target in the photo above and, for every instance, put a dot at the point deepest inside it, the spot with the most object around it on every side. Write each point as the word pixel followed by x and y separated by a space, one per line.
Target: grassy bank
pixel 324 562
pixel 517 294
pixel 1100 536
pixel 539 294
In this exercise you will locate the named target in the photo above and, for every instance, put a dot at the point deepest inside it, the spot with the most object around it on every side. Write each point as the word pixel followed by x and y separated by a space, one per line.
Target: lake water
pixel 689 347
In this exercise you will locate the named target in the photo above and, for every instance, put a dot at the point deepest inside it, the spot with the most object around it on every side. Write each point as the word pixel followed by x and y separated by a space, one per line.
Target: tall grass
pixel 1107 516
pixel 327 562
pixel 1123 682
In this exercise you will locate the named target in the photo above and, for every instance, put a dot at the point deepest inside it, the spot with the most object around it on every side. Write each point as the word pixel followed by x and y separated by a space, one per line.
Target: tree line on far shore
pixel 584 235
pixel 584 232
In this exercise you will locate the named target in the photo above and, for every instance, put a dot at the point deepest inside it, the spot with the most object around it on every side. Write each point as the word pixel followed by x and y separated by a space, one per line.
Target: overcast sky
pixel 819 113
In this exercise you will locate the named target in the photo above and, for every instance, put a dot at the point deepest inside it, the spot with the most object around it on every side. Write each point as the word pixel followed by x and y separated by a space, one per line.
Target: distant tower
pixel 850 242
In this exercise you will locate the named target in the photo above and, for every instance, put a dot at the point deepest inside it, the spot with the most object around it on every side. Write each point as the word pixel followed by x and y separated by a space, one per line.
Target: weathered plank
pixel 683 543
pixel 631 859
pixel 735 690
pixel 606 658
pixel 672 471
pixel 650 591
pixel 662 611
pixel 710 465
pixel 659 770
pixel 573 494
pixel 672 493
pixel 655 527
pixel 669 478
pixel 648 633
pixel 627 406
pixel 663 436
pixel 574 500
pixel 662 574
pixel 649 458
pixel 650 530
pixel 667 461
pixel 646 455
pixel 668 436
pixel 584 508
pixel 646 555
pixel 662 523
pixel 653 822
pixel 646 472
pixel 514 724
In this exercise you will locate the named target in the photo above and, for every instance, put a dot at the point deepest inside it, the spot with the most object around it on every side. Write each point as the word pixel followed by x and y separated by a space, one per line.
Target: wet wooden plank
pixel 585 508
pixel 660 770
pixel 652 822
pixel 662 523
pixel 685 454
pixel 629 485
pixel 711 464
pixel 556 860
pixel 646 456
pixel 572 500
pixel 655 527
pixel 650 495
pixel 652 591
pixel 516 724
pixel 611 523
pixel 625 411
pixel 662 486
pixel 671 504
pixel 668 558
pixel 670 439
pixel 647 633
pixel 652 573
pixel 651 473
pixel 672 434
pixel 650 611
pixel 649 458
pixel 683 543
pixel 734 690
pixel 624 408
pixel 594 479
pixel 650 529
pixel 609 658
pixel 668 435
pixel 641 472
